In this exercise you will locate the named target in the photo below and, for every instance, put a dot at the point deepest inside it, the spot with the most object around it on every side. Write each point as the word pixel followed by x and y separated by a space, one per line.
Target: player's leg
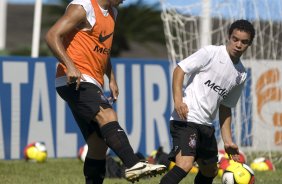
pixel 95 162
pixel 206 174
pixel 94 168
pixel 185 138
pixel 115 136
pixel 207 156
pixel 90 105
pixel 117 140
pixel 183 164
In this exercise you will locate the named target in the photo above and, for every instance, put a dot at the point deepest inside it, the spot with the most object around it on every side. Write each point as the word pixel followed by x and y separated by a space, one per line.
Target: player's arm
pixel 177 84
pixel 74 15
pixel 112 81
pixel 225 125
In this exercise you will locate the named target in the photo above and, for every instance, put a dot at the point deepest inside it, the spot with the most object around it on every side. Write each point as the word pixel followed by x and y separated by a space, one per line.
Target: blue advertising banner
pixel 30 109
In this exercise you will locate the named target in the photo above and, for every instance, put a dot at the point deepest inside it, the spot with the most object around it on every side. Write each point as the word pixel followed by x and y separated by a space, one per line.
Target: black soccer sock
pixel 117 140
pixel 174 176
pixel 163 159
pixel 200 179
pixel 94 171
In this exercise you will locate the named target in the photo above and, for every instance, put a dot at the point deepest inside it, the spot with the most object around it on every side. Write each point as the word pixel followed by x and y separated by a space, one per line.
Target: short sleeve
pixel 196 61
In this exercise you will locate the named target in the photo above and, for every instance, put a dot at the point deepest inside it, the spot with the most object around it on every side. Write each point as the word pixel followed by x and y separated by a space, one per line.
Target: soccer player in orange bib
pixel 81 40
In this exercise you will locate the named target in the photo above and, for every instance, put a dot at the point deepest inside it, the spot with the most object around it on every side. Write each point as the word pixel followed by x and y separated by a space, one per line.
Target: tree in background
pixel 136 22
pixel 140 23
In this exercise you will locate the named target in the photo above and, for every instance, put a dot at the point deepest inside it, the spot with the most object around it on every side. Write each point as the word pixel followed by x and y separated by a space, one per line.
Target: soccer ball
pixel 152 157
pixel 82 152
pixel 224 161
pixel 222 165
pixel 238 173
pixel 35 152
pixel 262 164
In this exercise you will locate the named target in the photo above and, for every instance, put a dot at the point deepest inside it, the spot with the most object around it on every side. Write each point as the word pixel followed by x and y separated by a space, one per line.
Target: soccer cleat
pixel 142 169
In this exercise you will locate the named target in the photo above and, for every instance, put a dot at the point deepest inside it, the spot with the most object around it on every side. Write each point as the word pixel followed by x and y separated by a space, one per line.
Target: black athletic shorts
pixel 193 140
pixel 85 104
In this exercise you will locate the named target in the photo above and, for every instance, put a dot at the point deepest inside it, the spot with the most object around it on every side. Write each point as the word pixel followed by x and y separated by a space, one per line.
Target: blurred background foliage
pixel 137 22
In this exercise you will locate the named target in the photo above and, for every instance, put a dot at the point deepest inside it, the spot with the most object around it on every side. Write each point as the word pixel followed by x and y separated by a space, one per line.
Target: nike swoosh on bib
pixel 104 38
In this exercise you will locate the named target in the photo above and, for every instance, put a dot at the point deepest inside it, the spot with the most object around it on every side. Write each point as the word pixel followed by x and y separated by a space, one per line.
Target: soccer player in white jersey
pixel 216 79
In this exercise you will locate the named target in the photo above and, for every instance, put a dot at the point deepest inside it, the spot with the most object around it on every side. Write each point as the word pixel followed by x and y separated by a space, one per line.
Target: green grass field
pixel 69 171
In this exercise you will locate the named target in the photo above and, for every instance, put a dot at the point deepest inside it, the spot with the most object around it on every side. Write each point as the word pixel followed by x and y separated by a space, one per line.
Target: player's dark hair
pixel 243 25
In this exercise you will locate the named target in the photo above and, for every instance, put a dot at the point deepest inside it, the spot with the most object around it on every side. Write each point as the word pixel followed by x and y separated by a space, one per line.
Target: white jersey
pixel 213 80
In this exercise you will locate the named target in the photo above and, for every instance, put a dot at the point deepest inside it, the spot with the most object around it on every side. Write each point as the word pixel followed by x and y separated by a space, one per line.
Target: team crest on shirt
pixel 192 141
pixel 238 78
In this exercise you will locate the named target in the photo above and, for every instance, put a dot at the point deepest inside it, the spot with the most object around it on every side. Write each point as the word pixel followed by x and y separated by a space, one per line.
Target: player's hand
pixel 74 76
pixel 233 151
pixel 114 90
pixel 181 109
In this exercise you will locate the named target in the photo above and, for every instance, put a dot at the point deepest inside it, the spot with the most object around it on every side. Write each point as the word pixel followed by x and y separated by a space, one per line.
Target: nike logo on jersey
pixel 104 38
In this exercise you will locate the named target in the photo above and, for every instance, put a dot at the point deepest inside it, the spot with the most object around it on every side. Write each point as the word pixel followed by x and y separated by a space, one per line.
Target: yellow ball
pixel 154 153
pixel 36 152
pixel 41 157
pixel 259 166
pixel 36 155
pixel 194 170
pixel 32 152
pixel 220 172
pixel 171 165
pixel 241 175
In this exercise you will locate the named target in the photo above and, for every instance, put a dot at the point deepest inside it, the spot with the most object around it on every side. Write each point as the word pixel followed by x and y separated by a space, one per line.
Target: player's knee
pixel 185 165
pixel 105 116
